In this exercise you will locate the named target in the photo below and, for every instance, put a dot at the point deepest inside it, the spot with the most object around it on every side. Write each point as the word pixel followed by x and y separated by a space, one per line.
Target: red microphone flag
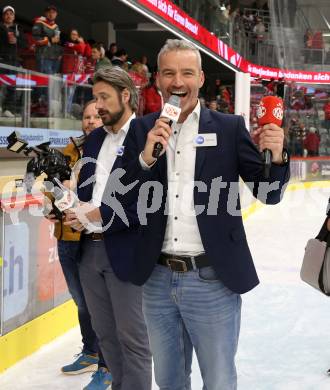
pixel 270 110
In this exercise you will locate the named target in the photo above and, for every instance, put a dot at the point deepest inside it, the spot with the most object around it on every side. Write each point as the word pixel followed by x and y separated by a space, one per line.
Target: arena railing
pixel 29 99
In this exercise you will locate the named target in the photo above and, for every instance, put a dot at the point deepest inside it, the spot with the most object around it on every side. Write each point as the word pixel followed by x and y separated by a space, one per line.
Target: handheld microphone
pixel 170 113
pixel 64 198
pixel 270 110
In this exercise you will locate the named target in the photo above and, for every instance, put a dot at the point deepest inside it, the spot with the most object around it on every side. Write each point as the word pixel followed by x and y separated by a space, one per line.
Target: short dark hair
pixel 121 52
pixel 51 7
pixel 100 48
pixel 97 46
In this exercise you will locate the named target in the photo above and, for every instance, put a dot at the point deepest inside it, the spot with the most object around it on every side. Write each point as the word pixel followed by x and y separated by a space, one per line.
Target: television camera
pixel 44 160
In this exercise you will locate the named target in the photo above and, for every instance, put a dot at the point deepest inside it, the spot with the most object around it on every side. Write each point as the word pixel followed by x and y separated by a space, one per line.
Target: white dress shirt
pixel 182 235
pixel 109 151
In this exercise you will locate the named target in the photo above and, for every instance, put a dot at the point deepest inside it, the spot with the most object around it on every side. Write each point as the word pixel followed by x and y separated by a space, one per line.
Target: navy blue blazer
pixel 120 239
pixel 222 234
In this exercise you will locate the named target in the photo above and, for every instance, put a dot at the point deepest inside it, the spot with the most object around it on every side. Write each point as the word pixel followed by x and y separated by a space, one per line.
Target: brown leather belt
pixel 183 263
pixel 94 236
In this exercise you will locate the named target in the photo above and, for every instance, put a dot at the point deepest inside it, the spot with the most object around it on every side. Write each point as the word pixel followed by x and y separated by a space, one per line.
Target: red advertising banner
pixel 300 76
pixel 178 18
pixel 50 278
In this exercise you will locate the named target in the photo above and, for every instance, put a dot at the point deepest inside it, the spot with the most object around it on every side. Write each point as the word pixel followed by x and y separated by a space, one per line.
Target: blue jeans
pixel 69 255
pixel 116 310
pixel 192 310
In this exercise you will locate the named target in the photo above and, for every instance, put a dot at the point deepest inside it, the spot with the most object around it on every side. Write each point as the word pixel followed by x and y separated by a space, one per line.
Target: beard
pixel 112 118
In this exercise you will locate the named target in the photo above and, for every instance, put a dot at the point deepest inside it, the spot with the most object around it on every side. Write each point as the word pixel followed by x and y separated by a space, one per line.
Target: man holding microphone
pixel 68 244
pixel 107 244
pixel 193 258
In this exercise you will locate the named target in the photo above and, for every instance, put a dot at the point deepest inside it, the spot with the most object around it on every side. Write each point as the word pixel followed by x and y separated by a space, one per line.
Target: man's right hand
pixel 159 133
pixel 51 218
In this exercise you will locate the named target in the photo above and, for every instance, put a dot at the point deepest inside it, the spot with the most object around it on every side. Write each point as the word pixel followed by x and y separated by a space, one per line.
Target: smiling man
pixel 194 266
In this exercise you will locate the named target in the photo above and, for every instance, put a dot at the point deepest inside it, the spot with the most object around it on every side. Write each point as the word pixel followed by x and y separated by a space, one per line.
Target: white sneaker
pixel 8 114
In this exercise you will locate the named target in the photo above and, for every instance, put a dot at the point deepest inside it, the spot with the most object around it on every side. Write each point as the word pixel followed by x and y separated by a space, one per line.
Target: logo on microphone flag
pixel 278 111
pixel 171 112
pixel 270 110
pixel 261 110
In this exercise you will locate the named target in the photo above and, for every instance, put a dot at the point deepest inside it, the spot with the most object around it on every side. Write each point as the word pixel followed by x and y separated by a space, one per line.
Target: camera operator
pixel 68 251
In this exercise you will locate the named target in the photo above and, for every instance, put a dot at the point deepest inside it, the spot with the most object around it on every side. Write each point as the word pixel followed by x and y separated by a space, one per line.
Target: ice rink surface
pixel 285 332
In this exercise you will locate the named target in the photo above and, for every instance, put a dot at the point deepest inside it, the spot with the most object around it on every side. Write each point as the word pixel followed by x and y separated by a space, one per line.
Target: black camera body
pixel 49 161
pixel 45 160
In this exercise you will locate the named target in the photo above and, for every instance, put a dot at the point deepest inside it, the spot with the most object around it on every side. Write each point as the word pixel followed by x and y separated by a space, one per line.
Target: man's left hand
pixel 79 217
pixel 271 137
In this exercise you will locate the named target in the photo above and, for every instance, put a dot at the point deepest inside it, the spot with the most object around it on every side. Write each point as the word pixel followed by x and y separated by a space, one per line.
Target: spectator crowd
pixel 49 50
